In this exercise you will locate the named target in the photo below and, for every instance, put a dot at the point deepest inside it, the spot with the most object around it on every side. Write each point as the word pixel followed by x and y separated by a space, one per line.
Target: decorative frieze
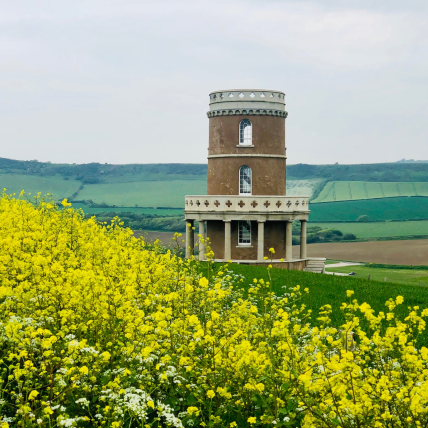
pixel 243 204
pixel 243 111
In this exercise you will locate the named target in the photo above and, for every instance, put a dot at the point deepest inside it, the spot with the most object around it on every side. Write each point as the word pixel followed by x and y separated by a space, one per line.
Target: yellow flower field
pixel 98 330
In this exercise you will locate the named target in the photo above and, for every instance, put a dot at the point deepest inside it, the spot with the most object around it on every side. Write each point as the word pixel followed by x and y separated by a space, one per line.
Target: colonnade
pixel 190 239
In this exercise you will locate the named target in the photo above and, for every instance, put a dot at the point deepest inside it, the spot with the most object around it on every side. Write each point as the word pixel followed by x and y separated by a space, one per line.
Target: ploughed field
pixel 381 229
pixel 398 252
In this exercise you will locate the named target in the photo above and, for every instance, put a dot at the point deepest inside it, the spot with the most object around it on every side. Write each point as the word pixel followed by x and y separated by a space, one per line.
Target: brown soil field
pixel 406 252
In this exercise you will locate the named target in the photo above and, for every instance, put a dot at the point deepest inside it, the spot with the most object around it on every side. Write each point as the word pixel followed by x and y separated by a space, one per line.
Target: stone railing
pixel 255 204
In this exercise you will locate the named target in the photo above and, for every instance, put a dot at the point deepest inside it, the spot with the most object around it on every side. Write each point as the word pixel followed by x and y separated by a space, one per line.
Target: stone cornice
pixel 247 112
pixel 247 155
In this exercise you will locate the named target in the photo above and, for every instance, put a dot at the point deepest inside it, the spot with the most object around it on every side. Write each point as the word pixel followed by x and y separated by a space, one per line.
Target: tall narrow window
pixel 244 233
pixel 245 133
pixel 245 180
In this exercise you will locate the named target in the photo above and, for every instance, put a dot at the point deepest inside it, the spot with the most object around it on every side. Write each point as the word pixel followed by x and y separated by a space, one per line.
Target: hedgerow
pixel 98 330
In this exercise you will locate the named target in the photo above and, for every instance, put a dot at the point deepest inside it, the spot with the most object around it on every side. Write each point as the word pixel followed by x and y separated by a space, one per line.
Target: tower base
pixel 312 264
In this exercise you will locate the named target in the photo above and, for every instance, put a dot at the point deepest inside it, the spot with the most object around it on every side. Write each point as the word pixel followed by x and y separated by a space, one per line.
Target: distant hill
pixel 105 173
pixel 392 172
pixel 151 196
pixel 98 173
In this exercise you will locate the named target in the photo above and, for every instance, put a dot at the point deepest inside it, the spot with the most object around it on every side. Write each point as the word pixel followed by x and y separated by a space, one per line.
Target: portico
pixel 271 214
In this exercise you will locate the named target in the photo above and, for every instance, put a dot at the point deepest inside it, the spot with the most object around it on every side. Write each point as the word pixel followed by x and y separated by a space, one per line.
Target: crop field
pixel 409 252
pixel 152 176
pixel 402 208
pixel 408 276
pixel 151 193
pixel 350 190
pixel 302 187
pixel 143 193
pixel 376 230
pixel 160 212
pixel 400 252
pixel 100 330
pixel 329 289
pixel 58 186
pixel 171 193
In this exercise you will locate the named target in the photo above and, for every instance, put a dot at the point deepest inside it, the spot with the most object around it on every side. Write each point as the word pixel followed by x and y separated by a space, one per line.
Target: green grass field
pixel 393 229
pixel 151 193
pixel 329 289
pixel 351 190
pixel 418 277
pixel 58 186
pixel 151 176
pixel 143 193
pixel 302 187
pixel 160 212
pixel 403 208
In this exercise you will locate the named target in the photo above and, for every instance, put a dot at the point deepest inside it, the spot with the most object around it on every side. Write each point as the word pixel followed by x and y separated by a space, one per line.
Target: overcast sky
pixel 128 80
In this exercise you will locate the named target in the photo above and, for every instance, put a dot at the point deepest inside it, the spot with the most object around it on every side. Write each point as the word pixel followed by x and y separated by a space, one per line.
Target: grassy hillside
pixel 376 230
pixel 397 172
pixel 143 193
pixel 150 186
pixel 143 211
pixel 404 208
pixel 363 172
pixel 304 187
pixel 418 277
pixel 104 172
pixel 352 190
pixel 329 289
pixel 57 185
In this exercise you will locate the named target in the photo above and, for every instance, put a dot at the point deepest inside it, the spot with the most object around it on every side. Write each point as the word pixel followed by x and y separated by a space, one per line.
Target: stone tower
pixel 246 211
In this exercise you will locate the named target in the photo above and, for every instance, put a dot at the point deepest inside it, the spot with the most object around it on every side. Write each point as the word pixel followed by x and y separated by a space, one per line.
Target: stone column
pixel 227 240
pixel 202 237
pixel 190 238
pixel 289 240
pixel 303 238
pixel 260 240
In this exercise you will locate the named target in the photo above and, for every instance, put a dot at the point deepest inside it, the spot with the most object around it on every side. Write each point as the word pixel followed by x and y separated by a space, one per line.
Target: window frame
pixel 244 242
pixel 241 182
pixel 245 137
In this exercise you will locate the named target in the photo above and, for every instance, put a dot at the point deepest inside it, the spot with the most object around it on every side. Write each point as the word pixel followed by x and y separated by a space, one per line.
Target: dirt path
pixel 408 252
pixel 343 264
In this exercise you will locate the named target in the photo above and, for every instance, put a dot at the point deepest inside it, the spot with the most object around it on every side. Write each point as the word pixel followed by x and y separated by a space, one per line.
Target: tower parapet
pixel 247 102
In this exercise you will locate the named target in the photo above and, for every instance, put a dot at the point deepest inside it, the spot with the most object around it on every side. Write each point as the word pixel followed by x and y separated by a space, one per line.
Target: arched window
pixel 244 233
pixel 245 180
pixel 245 133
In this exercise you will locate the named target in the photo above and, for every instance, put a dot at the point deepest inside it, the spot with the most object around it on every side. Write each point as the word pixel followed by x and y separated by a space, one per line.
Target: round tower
pixel 246 211
pixel 247 143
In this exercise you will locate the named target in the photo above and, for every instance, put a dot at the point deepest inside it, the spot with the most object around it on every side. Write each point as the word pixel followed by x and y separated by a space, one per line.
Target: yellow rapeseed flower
pixel 210 394
pixel 33 394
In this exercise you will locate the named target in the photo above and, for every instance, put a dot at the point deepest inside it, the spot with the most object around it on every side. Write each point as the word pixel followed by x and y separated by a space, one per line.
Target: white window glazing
pixel 244 233
pixel 245 180
pixel 245 133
